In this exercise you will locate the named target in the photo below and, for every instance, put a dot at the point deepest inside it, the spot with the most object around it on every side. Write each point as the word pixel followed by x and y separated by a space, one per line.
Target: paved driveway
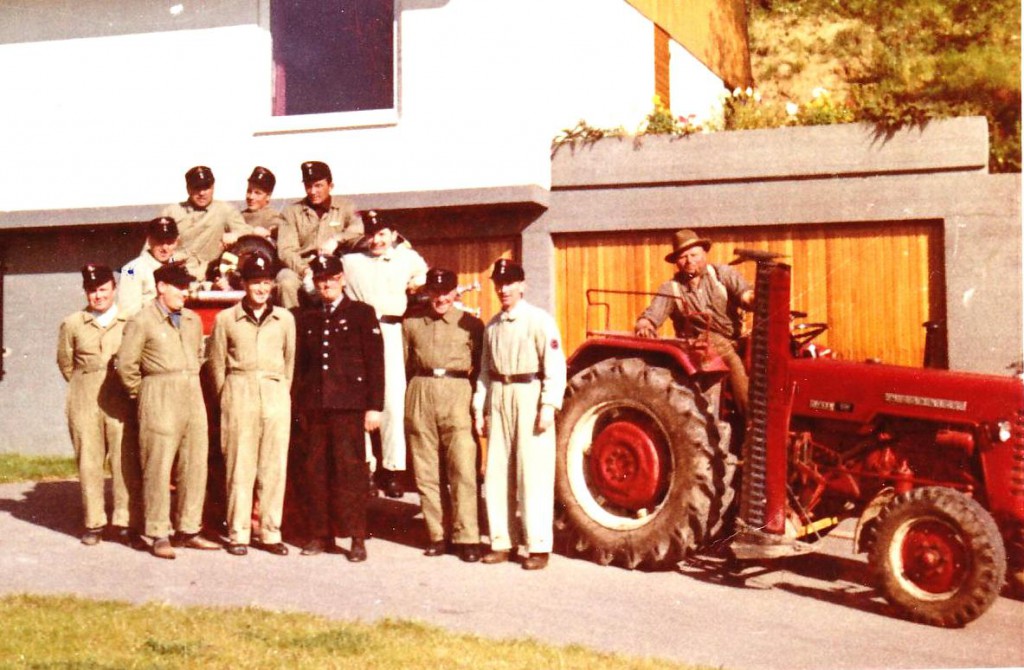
pixel 815 614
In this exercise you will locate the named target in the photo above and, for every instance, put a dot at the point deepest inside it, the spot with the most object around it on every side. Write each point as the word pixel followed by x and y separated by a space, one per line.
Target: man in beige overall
pixel 206 226
pixel 318 224
pixel 158 363
pixel 442 356
pixel 521 385
pixel 98 409
pixel 264 219
pixel 252 358
pixel 137 287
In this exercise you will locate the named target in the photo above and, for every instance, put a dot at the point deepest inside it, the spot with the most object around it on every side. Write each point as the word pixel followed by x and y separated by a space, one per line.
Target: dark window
pixel 333 55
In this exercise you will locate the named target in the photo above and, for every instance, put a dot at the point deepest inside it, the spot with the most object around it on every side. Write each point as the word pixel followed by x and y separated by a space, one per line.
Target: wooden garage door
pixel 472 260
pixel 873 284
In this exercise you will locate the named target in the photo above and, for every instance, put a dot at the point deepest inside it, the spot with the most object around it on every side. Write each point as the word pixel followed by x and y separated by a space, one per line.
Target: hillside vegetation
pixel 893 64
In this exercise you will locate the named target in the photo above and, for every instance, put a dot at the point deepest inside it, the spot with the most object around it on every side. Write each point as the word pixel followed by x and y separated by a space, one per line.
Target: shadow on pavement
pixel 56 505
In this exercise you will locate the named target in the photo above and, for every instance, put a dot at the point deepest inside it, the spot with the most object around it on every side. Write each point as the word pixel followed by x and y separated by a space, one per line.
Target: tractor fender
pixel 686 356
pixel 862 540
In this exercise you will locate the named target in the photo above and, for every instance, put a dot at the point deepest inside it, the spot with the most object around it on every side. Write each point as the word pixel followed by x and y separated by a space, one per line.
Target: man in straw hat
pixel 702 295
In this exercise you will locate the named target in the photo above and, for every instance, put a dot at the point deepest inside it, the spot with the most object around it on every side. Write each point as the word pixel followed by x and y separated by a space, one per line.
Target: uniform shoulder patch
pixel 554 344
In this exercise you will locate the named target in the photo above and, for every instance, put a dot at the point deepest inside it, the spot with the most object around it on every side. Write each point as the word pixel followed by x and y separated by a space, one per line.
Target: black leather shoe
pixel 237 549
pixel 469 553
pixel 275 548
pixel 393 488
pixel 358 552
pixel 435 549
pixel 313 547
pixel 536 562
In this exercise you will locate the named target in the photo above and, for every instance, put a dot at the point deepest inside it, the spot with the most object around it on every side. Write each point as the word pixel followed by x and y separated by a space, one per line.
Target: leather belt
pixel 438 373
pixel 388 318
pixel 524 378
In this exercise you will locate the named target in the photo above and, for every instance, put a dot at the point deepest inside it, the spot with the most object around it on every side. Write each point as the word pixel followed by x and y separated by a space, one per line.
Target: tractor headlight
pixel 1004 431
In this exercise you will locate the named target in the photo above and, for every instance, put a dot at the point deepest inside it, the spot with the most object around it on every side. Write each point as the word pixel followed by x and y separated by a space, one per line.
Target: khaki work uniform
pixel 159 365
pixel 99 418
pixel 381 282
pixel 137 287
pixel 268 218
pixel 252 362
pixel 522 368
pixel 200 232
pixel 301 235
pixel 442 356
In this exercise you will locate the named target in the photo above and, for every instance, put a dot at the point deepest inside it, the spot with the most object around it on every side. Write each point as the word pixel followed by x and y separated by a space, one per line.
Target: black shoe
pixel 92 536
pixel 468 553
pixel 275 548
pixel 358 552
pixel 435 549
pixel 237 549
pixel 131 538
pixel 393 488
pixel 313 547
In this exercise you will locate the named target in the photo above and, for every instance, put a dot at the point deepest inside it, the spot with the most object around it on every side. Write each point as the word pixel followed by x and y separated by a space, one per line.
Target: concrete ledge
pixel 848 150
pixel 526 196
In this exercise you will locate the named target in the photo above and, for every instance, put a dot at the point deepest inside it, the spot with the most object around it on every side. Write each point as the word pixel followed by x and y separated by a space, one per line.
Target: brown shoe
pixel 435 549
pixel 357 554
pixel 195 541
pixel 275 548
pixel 492 557
pixel 92 537
pixel 313 547
pixel 162 548
pixel 237 549
pixel 536 562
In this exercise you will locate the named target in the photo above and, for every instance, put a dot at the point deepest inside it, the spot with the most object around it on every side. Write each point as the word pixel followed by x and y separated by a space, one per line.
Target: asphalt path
pixel 815 612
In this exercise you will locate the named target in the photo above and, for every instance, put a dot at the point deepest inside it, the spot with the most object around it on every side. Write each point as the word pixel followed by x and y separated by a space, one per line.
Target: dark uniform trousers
pixel 339 375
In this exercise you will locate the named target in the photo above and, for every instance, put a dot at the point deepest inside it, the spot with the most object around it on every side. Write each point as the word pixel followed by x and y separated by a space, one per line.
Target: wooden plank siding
pixel 472 261
pixel 662 80
pixel 873 284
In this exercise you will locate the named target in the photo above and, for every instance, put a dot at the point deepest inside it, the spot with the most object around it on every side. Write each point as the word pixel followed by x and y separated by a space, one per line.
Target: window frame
pixel 327 121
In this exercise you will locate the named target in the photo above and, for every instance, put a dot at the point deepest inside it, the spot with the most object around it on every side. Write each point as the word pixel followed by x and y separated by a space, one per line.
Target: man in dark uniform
pixel 318 224
pixel 442 356
pixel 339 387
pixel 258 213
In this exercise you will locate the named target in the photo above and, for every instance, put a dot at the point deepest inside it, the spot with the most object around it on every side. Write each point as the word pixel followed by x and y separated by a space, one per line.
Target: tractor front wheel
pixel 642 471
pixel 938 556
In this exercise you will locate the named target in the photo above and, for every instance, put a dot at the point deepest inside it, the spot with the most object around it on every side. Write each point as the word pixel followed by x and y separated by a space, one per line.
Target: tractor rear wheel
pixel 643 469
pixel 938 556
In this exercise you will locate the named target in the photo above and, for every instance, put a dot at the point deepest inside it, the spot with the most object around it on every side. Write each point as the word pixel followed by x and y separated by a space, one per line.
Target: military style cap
pixel 256 266
pixel 506 272
pixel 95 275
pixel 683 240
pixel 373 222
pixel 263 178
pixel 162 228
pixel 315 171
pixel 440 281
pixel 199 177
pixel 326 266
pixel 174 274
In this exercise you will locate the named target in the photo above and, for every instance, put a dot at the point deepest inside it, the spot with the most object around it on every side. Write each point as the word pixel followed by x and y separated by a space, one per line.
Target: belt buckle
pixel 438 372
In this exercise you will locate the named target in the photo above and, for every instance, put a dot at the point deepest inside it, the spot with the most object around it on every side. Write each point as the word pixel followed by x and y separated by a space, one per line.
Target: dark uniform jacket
pixel 339 362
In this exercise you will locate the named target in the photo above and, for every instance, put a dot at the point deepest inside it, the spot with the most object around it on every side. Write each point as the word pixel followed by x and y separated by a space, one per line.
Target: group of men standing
pixel 321 353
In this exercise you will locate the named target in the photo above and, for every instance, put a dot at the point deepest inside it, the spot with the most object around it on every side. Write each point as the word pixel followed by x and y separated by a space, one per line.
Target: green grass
pixel 17 468
pixel 65 632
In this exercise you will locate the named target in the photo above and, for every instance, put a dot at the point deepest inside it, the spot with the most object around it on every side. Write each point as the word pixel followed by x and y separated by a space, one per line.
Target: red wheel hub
pixel 626 466
pixel 934 557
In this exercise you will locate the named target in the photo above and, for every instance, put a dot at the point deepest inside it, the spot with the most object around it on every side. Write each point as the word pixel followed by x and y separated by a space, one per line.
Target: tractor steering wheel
pixel 804 333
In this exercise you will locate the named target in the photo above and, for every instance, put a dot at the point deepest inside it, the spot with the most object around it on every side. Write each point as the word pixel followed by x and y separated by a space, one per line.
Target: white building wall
pixel 484 87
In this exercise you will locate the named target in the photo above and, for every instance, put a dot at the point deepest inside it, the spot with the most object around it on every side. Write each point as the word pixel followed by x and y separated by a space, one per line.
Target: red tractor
pixel 930 462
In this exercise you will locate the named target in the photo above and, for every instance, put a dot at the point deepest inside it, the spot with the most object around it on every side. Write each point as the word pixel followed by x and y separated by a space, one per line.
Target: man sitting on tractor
pixel 703 296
